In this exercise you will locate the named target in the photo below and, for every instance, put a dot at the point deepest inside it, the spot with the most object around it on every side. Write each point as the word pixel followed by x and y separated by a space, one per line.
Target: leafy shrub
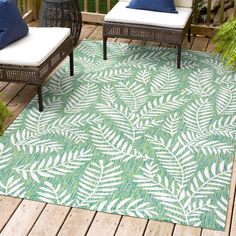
pixel 225 40
pixel 4 113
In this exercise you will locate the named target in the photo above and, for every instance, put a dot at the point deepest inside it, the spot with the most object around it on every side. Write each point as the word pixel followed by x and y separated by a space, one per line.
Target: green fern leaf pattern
pixel 110 143
pixel 99 181
pixel 13 187
pixel 127 207
pixel 221 211
pixel 200 83
pixel 164 82
pixel 61 82
pixel 54 194
pixel 82 98
pixel 143 76
pixel 198 115
pixel 131 135
pixel 132 94
pixel 59 165
pixel 5 156
pixel 210 180
pixel 226 100
pixel 176 160
pixel 171 124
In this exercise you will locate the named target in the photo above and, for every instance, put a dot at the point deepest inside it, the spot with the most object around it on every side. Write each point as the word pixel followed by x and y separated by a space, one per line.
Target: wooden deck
pixel 23 217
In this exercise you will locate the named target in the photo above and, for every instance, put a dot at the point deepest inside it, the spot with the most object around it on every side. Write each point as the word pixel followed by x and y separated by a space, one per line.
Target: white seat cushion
pixel 35 48
pixel 120 13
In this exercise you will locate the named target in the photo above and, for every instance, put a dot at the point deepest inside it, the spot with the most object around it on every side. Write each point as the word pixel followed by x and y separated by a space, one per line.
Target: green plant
pixel 225 40
pixel 4 113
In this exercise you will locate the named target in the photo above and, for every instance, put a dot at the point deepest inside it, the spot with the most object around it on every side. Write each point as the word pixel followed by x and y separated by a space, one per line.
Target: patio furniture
pixel 31 59
pixel 162 27
pixel 62 13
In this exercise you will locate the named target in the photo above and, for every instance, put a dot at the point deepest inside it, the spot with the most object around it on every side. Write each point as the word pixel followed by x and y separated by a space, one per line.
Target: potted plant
pixel 4 113
pixel 225 39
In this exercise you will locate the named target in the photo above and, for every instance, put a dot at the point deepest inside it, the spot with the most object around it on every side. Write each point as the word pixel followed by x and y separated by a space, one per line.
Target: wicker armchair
pixel 129 23
pixel 31 59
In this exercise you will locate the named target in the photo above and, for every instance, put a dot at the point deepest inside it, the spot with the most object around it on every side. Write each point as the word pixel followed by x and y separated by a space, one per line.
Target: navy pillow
pixel 12 26
pixel 154 5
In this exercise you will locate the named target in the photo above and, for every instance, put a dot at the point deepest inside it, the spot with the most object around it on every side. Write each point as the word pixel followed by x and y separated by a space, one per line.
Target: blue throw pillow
pixel 12 26
pixel 154 5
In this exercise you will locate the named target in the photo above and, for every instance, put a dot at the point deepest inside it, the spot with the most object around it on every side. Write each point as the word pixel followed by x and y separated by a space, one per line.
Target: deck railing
pixel 206 28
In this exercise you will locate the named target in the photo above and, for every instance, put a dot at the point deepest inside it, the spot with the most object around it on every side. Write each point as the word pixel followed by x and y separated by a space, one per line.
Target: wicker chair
pixel 31 59
pixel 129 23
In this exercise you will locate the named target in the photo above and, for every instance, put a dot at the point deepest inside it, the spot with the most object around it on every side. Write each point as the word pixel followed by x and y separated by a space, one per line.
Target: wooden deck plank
pixel 233 220
pixel 181 230
pixel 131 226
pixel 3 85
pixel 77 222
pixel 104 224
pixel 211 46
pixel 155 228
pixel 96 34
pixel 8 205
pixel 19 102
pixel 50 220
pixel 200 44
pixel 10 91
pixel 207 232
pixel 23 218
pixel 86 31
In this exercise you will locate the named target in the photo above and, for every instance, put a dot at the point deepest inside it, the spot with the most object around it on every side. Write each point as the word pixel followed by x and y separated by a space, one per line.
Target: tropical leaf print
pixel 145 60
pixel 130 135
pixel 5 156
pixel 90 49
pixel 226 100
pixel 197 209
pixel 31 142
pixel 200 142
pixel 143 76
pixel 13 187
pixel 122 117
pixel 221 211
pixel 61 82
pixel 164 82
pixel 161 105
pixel 38 121
pixel 198 115
pixel 209 181
pixel 228 78
pixel 99 181
pixel 132 93
pixel 177 160
pixel 176 204
pixel 127 206
pixel 225 126
pixel 69 126
pixel 108 93
pixel 52 166
pixel 81 98
pixel 171 124
pixel 106 76
pixel 110 143
pixel 54 194
pixel 200 83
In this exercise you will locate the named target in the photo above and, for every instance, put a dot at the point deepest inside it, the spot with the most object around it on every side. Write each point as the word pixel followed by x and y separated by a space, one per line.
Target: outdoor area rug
pixel 132 135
